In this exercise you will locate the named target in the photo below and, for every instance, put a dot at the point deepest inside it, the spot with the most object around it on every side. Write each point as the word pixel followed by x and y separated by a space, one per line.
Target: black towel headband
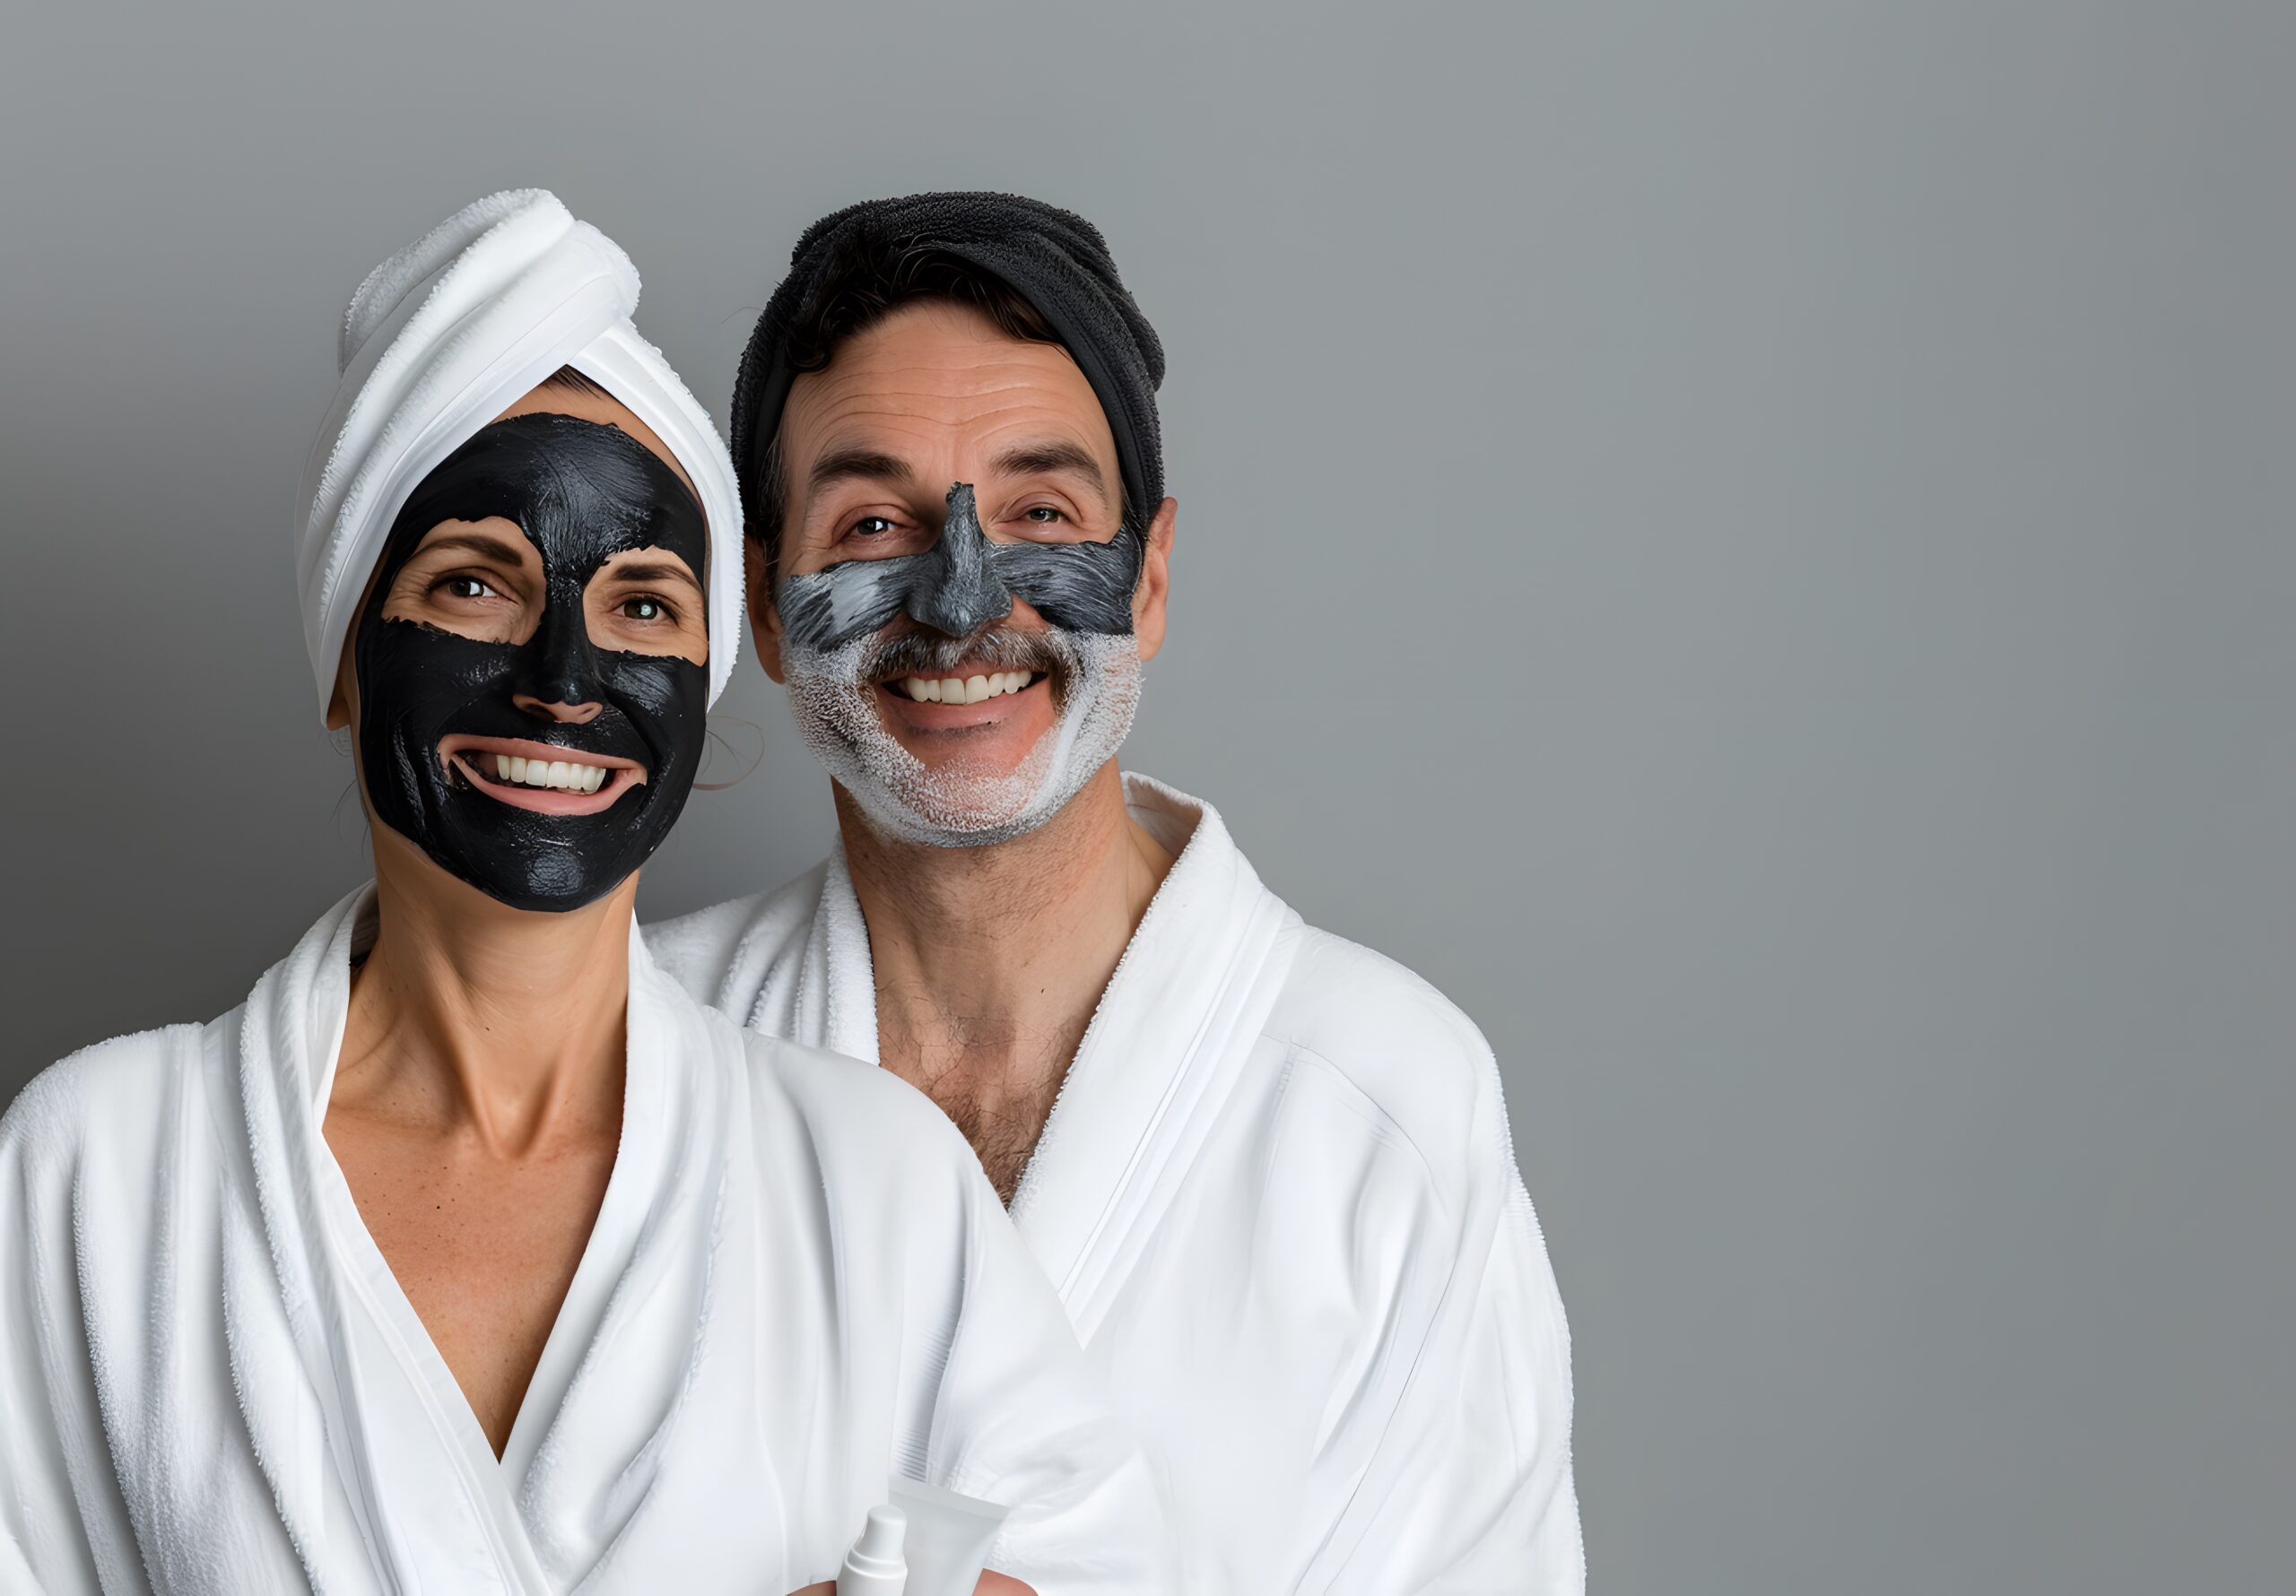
pixel 1055 259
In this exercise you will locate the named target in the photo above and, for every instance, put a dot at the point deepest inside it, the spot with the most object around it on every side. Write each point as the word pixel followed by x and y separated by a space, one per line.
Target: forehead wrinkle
pixel 872 427
pixel 933 360
pixel 844 392
pixel 878 406
pixel 948 397
pixel 954 332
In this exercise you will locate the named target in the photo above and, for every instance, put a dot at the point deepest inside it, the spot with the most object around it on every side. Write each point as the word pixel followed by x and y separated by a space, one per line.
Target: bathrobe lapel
pixel 1165 1045
pixel 434 1506
pixel 1165 1049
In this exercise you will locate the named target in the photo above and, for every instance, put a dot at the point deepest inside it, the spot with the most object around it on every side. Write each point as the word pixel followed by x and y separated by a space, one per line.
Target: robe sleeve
pixel 1470 1488
pixel 51 1434
pixel 1023 1418
pixel 1490 1503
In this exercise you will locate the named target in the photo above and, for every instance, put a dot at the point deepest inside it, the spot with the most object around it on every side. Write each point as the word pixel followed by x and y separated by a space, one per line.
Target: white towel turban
pixel 437 342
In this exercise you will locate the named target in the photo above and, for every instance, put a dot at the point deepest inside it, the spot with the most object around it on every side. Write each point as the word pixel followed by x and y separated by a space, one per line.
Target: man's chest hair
pixel 999 1096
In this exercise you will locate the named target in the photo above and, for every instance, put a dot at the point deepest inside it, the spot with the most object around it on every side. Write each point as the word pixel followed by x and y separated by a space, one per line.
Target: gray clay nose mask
pixel 965 582
pixel 582 493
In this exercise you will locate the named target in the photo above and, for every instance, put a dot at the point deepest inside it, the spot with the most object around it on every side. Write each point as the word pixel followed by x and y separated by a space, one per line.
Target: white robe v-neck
pixel 798 1284
pixel 1277 1195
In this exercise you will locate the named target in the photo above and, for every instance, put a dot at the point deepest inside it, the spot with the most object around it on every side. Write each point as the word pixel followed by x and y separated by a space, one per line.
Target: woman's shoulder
pixel 863 1122
pixel 114 1097
pixel 850 1093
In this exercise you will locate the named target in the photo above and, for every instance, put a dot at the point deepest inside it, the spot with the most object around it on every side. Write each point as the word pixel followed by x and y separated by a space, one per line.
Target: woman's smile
pixel 546 777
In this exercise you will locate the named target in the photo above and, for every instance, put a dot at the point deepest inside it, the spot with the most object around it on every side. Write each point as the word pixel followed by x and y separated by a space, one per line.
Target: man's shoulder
pixel 113 1094
pixel 700 950
pixel 1413 1056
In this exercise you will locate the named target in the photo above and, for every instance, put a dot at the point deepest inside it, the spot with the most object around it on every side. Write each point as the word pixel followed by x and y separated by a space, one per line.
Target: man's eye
pixel 645 609
pixel 1044 515
pixel 468 587
pixel 870 526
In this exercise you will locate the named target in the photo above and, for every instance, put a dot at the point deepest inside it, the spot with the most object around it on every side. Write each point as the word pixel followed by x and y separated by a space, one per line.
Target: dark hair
pixel 567 377
pixel 867 284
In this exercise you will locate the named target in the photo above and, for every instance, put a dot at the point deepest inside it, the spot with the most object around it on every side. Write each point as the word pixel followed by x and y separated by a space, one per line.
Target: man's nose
pixel 956 591
pixel 572 714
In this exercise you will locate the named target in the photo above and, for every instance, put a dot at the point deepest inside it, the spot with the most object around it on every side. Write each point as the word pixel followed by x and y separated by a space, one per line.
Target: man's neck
pixel 990 960
pixel 472 1018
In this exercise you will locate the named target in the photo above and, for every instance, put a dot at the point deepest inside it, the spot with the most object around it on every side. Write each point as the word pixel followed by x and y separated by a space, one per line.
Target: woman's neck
pixel 471 1017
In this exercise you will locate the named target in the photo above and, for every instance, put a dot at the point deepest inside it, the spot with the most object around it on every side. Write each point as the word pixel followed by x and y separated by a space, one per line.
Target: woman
pixel 469 1253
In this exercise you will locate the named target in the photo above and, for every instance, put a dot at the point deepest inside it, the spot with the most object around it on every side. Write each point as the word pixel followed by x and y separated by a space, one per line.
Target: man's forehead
pixel 933 374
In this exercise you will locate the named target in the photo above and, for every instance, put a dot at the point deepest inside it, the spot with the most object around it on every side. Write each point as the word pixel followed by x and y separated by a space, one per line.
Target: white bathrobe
pixel 1278 1196
pixel 799 1283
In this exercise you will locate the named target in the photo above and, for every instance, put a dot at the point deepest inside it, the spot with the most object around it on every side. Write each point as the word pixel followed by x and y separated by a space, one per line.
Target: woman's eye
pixel 1044 515
pixel 870 526
pixel 468 587
pixel 644 608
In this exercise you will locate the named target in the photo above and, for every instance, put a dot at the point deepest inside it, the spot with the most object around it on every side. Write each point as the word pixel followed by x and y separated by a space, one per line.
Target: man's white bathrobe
pixel 1278 1196
pixel 798 1284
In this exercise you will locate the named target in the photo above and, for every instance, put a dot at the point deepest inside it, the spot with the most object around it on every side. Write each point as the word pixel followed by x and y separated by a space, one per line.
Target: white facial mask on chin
pixel 956 805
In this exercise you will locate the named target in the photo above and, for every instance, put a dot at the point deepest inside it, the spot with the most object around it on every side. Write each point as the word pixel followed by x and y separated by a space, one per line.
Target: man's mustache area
pixel 930 668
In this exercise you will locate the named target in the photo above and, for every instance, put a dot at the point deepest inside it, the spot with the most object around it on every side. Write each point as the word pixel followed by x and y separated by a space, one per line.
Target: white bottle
pixel 874 1567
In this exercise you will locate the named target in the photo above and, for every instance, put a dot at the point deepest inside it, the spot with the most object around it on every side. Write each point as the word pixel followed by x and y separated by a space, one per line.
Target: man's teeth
pixel 569 774
pixel 964 689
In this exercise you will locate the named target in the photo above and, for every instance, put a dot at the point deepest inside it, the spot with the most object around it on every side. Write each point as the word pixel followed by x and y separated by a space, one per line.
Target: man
pixel 1268 1172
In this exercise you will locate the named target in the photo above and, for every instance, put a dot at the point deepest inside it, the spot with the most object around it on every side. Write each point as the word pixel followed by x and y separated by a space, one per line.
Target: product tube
pixel 949 1537
pixel 874 1567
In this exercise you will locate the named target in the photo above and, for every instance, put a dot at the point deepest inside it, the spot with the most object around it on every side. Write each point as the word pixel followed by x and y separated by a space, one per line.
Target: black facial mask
pixel 965 582
pixel 582 493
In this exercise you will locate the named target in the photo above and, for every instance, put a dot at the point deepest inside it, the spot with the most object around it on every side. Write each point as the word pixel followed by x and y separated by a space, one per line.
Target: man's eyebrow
pixel 855 465
pixel 1045 459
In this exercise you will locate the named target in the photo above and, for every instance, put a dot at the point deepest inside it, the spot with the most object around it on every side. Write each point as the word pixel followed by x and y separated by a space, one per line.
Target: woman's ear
pixel 343 702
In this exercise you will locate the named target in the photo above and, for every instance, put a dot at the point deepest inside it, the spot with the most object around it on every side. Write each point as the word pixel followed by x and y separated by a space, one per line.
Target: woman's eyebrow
pixel 478 542
pixel 668 570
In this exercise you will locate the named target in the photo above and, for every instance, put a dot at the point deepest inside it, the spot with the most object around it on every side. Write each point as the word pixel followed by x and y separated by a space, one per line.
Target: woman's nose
pixel 572 714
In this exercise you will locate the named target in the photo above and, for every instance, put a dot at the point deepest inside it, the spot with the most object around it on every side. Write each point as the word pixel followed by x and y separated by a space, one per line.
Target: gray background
pixel 1750 548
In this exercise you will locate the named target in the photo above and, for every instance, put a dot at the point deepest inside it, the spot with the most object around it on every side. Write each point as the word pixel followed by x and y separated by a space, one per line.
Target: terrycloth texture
pixel 1279 1200
pixel 1058 261
pixel 439 340
pixel 798 1282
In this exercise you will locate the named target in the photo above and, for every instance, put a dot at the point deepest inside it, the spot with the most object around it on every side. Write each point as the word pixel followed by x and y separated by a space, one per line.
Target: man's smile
pixel 998 713
pixel 541 776
pixel 966 689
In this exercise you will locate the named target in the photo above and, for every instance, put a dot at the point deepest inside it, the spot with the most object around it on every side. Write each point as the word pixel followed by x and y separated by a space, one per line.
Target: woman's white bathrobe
pixel 798 1284
pixel 1278 1197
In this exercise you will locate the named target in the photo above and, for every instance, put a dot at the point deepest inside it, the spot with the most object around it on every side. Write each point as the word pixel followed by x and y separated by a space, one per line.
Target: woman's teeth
pixel 964 689
pixel 569 774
